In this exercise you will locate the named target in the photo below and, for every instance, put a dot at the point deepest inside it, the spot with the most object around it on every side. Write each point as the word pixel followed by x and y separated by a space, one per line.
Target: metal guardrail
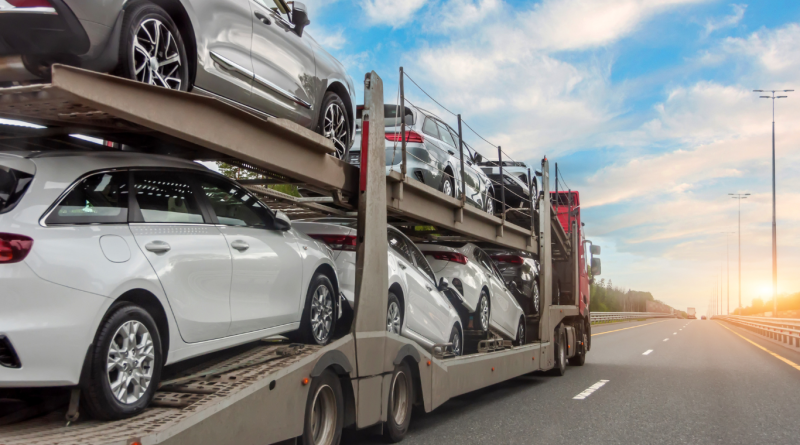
pixel 782 330
pixel 598 317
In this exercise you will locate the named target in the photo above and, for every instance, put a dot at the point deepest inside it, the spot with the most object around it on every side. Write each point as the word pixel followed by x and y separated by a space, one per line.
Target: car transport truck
pixel 274 391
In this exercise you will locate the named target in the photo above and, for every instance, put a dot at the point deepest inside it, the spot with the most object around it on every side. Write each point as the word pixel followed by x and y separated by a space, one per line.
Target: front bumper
pixel 49 326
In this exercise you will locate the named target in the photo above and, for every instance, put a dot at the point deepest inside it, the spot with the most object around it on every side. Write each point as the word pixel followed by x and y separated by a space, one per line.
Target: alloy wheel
pixel 131 360
pixel 455 340
pixel 447 187
pixel 489 204
pixel 393 318
pixel 321 313
pixel 536 297
pixel 484 314
pixel 400 402
pixel 521 334
pixel 156 58
pixel 335 129
pixel 323 416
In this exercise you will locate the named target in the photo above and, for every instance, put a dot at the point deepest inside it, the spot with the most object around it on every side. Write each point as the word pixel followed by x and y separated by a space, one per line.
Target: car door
pixel 438 303
pixel 285 81
pixel 188 253
pixel 224 41
pixel 267 263
pixel 417 313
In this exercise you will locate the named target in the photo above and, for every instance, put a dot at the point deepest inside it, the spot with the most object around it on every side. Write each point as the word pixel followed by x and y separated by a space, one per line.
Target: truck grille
pixel 8 357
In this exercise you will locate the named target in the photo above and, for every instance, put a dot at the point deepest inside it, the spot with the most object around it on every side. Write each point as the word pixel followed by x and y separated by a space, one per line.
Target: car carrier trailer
pixel 274 392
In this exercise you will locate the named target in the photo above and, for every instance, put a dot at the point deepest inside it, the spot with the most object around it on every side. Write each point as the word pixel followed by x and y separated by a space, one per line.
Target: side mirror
pixel 299 17
pixel 443 284
pixel 596 267
pixel 595 250
pixel 282 222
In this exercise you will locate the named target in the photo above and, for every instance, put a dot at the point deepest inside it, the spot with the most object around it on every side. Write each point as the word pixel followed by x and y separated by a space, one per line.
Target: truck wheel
pixel 560 365
pixel 482 313
pixel 152 49
pixel 318 320
pixel 520 333
pixel 580 355
pixel 401 398
pixel 125 365
pixel 324 411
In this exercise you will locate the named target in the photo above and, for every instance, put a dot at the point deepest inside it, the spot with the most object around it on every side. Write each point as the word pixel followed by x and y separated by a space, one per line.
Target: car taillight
pixel 448 256
pixel 338 242
pixel 14 248
pixel 411 136
pixel 511 259
pixel 30 3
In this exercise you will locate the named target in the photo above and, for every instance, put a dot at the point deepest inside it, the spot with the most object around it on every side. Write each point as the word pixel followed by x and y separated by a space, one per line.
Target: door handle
pixel 240 245
pixel 429 288
pixel 157 247
pixel 402 266
pixel 262 18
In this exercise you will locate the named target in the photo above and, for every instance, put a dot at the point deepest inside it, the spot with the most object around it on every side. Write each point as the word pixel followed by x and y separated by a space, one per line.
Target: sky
pixel 646 106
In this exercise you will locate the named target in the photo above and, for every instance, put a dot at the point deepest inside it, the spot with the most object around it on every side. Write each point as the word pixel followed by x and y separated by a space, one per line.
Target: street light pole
pixel 774 219
pixel 740 197
pixel 728 264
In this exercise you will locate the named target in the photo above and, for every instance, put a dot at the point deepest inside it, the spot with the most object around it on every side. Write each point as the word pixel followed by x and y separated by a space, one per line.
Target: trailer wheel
pixel 324 415
pixel 401 398
pixel 580 355
pixel 560 366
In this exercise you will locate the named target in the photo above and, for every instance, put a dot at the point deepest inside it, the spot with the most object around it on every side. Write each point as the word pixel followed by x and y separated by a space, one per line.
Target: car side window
pixel 445 133
pixel 98 199
pixel 166 197
pixel 430 128
pixel 422 263
pixel 399 245
pixel 232 205
pixel 483 259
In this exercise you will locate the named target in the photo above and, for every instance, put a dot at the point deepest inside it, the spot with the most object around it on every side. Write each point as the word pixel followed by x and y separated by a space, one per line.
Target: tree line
pixel 605 297
pixel 789 302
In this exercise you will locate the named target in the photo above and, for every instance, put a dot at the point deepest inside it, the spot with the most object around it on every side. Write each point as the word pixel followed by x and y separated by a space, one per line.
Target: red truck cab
pixel 567 207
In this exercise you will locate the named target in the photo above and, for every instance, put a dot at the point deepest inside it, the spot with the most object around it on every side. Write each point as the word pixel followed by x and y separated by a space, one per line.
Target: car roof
pixel 94 159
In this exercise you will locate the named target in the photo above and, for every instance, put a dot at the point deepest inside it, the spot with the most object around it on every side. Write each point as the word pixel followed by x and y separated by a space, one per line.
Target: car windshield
pixel 13 185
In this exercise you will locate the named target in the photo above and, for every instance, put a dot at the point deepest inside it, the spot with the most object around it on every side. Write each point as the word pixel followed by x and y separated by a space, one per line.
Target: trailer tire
pixel 580 355
pixel 100 400
pixel 401 399
pixel 324 414
pixel 560 352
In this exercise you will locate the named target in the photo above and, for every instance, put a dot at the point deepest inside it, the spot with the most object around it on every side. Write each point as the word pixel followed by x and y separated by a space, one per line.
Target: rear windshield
pixel 13 184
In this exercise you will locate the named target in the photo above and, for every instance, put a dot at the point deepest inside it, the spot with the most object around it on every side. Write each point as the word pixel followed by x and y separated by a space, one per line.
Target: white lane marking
pixel 588 391
pixel 647 352
pixel 666 339
pixel 674 333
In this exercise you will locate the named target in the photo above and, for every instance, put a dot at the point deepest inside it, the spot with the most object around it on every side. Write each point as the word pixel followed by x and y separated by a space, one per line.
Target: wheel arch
pixel 180 16
pixel 336 361
pixel 398 292
pixel 153 306
pixel 328 270
pixel 341 90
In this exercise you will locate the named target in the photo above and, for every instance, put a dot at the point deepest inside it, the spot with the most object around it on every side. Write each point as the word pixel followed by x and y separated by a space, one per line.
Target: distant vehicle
pixel 250 53
pixel 487 298
pixel 115 264
pixel 418 306
pixel 703 317
pixel 690 313
pixel 432 157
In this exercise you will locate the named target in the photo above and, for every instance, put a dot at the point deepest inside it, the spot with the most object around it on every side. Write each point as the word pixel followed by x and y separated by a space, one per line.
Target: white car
pixel 417 309
pixel 486 297
pixel 115 264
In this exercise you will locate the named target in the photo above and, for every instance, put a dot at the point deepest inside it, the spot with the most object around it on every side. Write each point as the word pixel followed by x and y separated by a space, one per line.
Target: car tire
pixel 401 401
pixel 489 207
pixel 521 333
pixel 334 124
pixel 457 341
pixel 101 399
pixel 324 414
pixel 580 355
pixel 535 298
pixel 560 353
pixel 394 315
pixel 483 312
pixel 140 50
pixel 448 185
pixel 318 322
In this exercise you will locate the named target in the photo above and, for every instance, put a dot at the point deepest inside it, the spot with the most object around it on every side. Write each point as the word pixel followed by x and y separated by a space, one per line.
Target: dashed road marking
pixel 674 333
pixel 647 352
pixel 588 391
pixel 666 339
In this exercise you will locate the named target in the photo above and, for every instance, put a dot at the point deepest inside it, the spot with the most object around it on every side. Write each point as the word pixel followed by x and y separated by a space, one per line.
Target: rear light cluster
pixel 511 259
pixel 448 256
pixel 30 3
pixel 14 248
pixel 338 242
pixel 411 136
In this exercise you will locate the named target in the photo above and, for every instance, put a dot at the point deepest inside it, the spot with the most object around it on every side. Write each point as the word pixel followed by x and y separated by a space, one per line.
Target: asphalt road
pixel 700 384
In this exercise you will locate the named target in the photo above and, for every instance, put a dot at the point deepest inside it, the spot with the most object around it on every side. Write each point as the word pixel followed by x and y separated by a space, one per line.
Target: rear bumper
pixel 49 326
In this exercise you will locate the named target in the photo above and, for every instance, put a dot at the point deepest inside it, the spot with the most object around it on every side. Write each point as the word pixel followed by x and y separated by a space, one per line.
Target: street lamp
pixel 728 261
pixel 740 197
pixel 774 223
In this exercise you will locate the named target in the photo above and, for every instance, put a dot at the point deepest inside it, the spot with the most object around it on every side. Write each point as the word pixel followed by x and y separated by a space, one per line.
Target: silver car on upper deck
pixel 251 53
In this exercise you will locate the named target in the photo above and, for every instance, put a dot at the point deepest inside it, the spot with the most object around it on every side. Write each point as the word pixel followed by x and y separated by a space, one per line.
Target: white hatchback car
pixel 417 308
pixel 486 296
pixel 115 264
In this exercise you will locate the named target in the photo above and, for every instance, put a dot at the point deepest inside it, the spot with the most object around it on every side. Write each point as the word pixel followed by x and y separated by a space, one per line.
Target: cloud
pixel 776 50
pixel 459 14
pixel 391 12
pixel 727 21
pixel 330 40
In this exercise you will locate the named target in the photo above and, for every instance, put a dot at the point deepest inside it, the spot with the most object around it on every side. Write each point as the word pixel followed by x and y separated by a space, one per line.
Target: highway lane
pixel 700 383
